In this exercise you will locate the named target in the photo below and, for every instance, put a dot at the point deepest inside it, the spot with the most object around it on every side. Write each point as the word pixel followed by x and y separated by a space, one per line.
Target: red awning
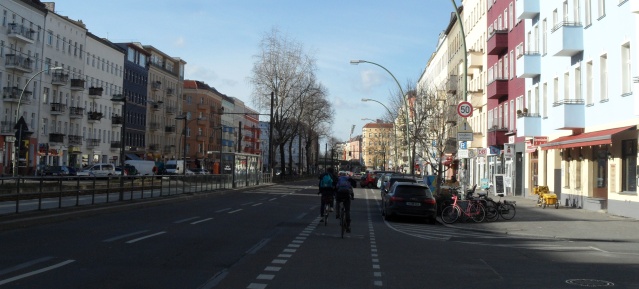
pixel 601 137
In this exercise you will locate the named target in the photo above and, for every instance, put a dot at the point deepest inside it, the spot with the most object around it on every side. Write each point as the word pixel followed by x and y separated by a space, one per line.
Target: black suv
pixel 409 199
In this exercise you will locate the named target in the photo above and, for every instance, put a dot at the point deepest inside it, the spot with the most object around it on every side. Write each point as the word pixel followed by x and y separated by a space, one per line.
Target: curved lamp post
pixel 17 155
pixel 355 62
pixel 394 126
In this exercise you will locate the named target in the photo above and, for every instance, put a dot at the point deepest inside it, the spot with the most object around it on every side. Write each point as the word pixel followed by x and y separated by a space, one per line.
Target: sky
pixel 219 40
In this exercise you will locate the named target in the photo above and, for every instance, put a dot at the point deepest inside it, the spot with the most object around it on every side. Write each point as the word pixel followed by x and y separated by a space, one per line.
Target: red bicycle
pixel 474 210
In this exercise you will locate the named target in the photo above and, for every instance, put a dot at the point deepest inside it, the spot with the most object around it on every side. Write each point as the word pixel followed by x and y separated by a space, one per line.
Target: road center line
pixel 125 236
pixel 222 210
pixel 185 220
pixel 200 221
pixel 233 212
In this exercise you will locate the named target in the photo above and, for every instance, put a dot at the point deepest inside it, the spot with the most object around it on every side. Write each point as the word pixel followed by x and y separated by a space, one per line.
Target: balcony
pixel 93 142
pixel 116 145
pixel 75 140
pixel 529 65
pixel 76 112
pixel 94 116
pixel 18 62
pixel 77 84
pixel 528 125
pixel 497 42
pixel 568 114
pixel 154 147
pixel 58 108
pixel 170 92
pixel 527 9
pixel 154 126
pixel 20 33
pixel 59 78
pixel 12 94
pixel 497 89
pixel 475 60
pixel 566 39
pixel 56 137
pixel 117 121
pixel 7 127
pixel 171 110
pixel 156 85
pixel 496 136
pixel 95 92
pixel 453 83
pixel 169 129
pixel 168 149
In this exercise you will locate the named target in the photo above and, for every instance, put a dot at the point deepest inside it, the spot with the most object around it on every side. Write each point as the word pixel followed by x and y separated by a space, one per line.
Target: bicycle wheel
pixel 342 220
pixel 507 211
pixel 326 213
pixel 477 212
pixel 450 214
pixel 491 211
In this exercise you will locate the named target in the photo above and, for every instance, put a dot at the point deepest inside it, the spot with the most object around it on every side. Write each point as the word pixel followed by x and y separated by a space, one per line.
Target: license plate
pixel 413 204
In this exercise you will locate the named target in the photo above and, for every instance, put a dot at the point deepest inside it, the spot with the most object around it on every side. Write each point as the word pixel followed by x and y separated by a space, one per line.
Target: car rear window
pixel 412 191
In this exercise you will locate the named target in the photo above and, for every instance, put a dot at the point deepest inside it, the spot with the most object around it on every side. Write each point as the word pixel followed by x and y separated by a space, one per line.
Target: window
pixel 511 16
pixel 506 20
pixel 565 11
pixel 44 126
pixel 575 11
pixel 626 86
pixel 556 89
pixel 602 9
pixel 544 31
pixel 589 80
pixel 578 95
pixel 629 165
pixel 567 85
pixel 603 77
pixel 588 12
pixel 506 75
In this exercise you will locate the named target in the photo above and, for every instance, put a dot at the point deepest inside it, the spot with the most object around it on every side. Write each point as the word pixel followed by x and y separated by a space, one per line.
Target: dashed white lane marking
pixel 200 221
pixel 145 237
pixel 125 236
pixel 185 220
pixel 283 257
pixel 234 211
pixel 223 210
pixel 254 205
pixel 9 280
pixel 377 273
pixel 272 199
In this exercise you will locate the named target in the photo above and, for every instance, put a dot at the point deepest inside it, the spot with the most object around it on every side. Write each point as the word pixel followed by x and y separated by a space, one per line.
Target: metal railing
pixel 24 194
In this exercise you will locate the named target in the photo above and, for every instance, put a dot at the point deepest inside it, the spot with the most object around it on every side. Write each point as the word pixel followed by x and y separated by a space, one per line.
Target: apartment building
pixel 505 94
pixel 377 140
pixel 22 40
pixel 581 120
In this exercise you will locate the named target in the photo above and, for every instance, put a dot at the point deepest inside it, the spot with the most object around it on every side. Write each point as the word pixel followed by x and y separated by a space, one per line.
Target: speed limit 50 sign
pixel 465 109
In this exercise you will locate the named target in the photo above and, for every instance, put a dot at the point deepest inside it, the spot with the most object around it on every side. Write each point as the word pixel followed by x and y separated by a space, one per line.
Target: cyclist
pixel 345 194
pixel 327 183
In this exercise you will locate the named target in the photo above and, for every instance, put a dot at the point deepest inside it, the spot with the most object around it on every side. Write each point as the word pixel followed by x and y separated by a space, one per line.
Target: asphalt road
pixel 270 237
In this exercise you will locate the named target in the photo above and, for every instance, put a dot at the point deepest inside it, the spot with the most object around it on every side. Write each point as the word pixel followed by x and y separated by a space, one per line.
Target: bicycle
pixel 342 219
pixel 327 208
pixel 494 210
pixel 474 210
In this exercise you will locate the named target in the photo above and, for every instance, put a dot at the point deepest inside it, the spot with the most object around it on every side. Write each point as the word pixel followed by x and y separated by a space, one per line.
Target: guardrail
pixel 22 194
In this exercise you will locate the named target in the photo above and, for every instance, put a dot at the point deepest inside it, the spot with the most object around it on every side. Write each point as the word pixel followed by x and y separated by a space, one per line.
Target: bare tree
pixel 283 68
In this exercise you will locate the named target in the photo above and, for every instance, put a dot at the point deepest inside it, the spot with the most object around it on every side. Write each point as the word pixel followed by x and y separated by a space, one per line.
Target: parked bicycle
pixel 474 210
pixel 506 209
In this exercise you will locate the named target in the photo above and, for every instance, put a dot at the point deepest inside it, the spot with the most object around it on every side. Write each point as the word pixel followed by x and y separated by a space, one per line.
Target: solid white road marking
pixel 5 281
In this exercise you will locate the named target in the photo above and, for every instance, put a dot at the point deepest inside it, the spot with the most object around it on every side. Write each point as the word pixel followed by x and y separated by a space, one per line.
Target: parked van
pixel 99 170
pixel 174 167
pixel 144 168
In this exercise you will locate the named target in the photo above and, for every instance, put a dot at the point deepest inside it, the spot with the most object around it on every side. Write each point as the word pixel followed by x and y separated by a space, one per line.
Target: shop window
pixel 629 163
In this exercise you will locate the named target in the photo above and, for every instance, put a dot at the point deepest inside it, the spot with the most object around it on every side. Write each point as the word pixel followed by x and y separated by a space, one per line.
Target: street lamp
pixel 19 134
pixel 355 62
pixel 121 98
pixel 394 126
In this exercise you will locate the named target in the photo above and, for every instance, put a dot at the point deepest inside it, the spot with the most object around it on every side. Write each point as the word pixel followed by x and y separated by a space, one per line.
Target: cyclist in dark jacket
pixel 344 194
pixel 327 193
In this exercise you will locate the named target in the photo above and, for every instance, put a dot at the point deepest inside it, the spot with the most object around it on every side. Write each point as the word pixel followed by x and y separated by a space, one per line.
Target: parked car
pixel 409 199
pixel 119 170
pixel 59 171
pixel 202 171
pixel 99 170
pixel 392 178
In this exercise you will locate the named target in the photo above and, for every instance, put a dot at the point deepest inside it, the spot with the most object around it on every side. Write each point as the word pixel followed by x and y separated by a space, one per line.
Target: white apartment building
pixel 582 102
pixel 22 38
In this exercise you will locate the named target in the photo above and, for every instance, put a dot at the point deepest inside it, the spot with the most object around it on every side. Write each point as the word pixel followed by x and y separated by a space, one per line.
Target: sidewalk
pixel 564 223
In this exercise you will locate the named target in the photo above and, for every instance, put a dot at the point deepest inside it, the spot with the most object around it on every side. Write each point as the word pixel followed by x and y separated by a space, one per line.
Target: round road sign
pixel 465 109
